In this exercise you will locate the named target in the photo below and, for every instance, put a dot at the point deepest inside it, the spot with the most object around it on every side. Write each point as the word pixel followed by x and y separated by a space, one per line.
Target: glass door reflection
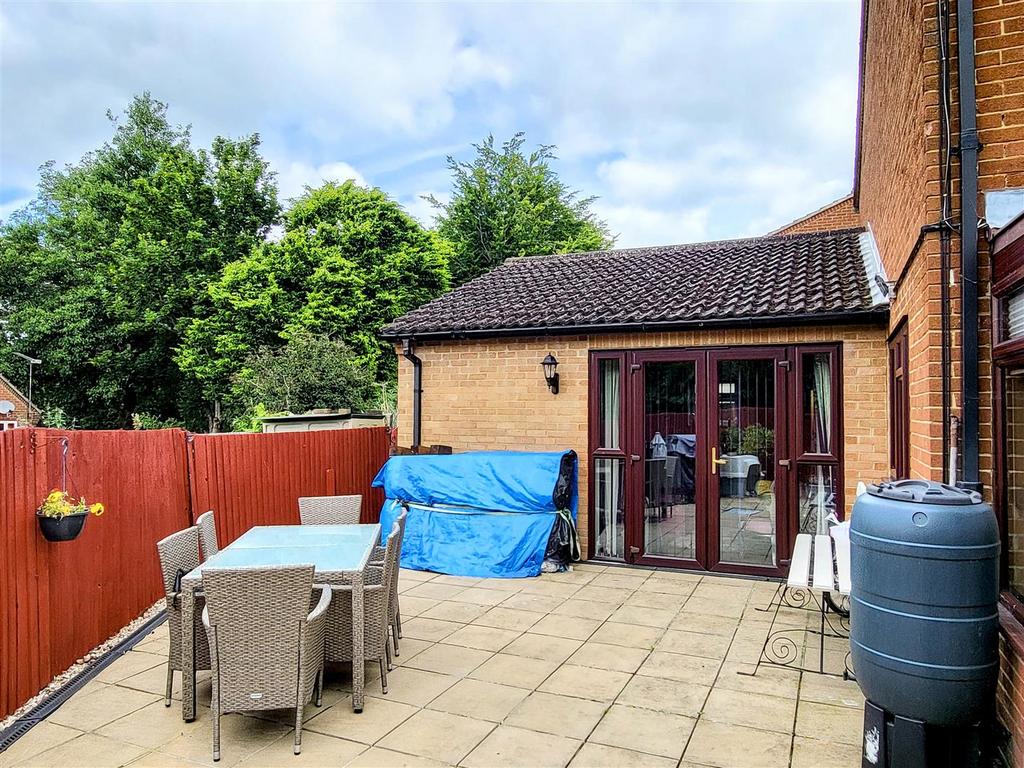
pixel 743 461
pixel 669 434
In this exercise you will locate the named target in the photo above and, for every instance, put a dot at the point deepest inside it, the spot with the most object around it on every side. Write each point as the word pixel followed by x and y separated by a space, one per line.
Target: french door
pixel 690 458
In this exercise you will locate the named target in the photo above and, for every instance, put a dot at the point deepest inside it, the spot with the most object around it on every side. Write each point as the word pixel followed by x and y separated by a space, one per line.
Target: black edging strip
pixel 53 702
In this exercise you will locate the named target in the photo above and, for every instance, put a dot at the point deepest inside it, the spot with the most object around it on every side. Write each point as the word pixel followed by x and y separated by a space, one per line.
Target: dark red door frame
pixel 788 446
pixel 635 468
pixel 783 471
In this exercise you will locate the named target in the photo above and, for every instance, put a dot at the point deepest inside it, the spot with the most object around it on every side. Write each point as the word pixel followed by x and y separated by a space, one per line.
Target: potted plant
pixel 61 518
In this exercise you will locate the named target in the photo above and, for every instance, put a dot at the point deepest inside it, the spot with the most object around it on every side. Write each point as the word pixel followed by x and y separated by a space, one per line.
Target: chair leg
pixel 387 653
pixel 170 684
pixel 318 689
pixel 398 620
pixel 216 733
pixel 383 676
pixel 298 728
pixel 396 632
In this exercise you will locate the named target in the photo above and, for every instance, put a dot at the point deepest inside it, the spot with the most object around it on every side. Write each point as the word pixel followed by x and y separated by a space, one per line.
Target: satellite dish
pixel 6 407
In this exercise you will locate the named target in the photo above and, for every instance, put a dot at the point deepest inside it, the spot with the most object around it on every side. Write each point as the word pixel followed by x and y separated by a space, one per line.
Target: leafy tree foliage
pixel 309 371
pixel 507 203
pixel 112 258
pixel 350 260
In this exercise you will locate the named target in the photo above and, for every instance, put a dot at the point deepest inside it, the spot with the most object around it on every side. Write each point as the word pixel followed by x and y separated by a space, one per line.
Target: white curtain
pixel 822 404
pixel 610 403
pixel 823 389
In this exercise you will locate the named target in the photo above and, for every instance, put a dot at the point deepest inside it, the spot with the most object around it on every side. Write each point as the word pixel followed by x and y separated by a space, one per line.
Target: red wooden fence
pixel 257 479
pixel 58 601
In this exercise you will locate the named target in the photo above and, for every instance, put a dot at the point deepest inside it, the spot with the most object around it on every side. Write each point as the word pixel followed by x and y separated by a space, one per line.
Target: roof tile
pixel 789 276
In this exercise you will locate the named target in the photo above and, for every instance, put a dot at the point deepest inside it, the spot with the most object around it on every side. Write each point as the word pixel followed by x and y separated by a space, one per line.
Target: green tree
pixel 309 371
pixel 113 259
pixel 507 203
pixel 350 260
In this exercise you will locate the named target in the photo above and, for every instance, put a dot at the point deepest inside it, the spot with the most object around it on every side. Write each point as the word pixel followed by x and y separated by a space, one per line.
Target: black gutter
pixel 409 353
pixel 969 146
pixel 877 315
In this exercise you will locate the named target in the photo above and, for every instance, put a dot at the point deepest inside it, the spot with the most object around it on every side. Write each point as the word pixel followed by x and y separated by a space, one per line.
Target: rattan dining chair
pixel 394 605
pixel 378 581
pixel 267 645
pixel 330 510
pixel 179 554
pixel 208 534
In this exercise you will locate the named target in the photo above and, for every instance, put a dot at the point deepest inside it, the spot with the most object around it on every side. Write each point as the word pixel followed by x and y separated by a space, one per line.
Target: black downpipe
pixel 945 231
pixel 971 477
pixel 409 353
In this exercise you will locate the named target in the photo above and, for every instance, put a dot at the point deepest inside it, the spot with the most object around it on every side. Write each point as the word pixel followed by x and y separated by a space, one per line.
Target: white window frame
pixel 5 425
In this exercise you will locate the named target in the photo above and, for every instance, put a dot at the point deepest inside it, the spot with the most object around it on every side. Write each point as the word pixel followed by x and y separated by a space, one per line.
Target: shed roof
pixel 779 280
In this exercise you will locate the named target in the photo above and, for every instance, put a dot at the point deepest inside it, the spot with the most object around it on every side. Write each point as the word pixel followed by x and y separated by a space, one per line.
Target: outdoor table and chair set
pixel 267 612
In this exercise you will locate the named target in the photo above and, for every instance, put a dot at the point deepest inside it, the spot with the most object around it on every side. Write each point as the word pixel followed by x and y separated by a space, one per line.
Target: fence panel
pixel 257 479
pixel 58 601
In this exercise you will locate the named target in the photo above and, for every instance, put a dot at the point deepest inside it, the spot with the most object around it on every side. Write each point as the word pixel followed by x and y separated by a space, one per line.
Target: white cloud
pixel 420 209
pixel 688 120
pixel 294 177
pixel 636 225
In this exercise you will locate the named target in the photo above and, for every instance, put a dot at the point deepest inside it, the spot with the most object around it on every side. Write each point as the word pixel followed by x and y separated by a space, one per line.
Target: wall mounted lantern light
pixel 549 364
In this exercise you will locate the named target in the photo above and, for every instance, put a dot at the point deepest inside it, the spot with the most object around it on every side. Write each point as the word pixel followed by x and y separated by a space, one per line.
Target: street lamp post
pixel 31 361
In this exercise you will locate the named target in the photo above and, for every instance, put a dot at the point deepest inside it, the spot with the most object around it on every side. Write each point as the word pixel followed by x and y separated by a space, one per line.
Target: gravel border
pixel 81 665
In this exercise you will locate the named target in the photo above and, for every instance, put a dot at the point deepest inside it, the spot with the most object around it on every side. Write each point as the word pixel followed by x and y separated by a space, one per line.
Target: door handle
pixel 715 461
pixel 784 463
pixel 634 458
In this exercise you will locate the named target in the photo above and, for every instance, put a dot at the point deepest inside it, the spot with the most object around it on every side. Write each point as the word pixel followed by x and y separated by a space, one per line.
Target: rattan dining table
pixel 339 554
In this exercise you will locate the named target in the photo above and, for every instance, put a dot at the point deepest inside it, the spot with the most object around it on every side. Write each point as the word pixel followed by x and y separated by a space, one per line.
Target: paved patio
pixel 596 667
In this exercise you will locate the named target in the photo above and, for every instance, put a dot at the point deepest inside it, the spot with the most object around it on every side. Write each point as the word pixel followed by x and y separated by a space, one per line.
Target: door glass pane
pixel 1015 480
pixel 670 440
pixel 609 498
pixel 746 464
pixel 816 497
pixel 817 403
pixel 610 402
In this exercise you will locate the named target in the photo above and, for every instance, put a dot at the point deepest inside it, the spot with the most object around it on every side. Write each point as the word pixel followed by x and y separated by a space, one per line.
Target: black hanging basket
pixel 64 528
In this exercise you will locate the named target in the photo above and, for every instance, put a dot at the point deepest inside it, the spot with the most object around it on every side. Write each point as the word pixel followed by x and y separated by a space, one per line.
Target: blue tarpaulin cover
pixel 482 513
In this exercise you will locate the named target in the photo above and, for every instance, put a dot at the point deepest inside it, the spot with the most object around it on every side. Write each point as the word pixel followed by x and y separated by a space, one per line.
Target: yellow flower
pixel 96 509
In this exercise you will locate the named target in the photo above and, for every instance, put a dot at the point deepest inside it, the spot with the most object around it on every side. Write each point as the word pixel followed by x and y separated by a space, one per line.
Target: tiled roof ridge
pixel 702 245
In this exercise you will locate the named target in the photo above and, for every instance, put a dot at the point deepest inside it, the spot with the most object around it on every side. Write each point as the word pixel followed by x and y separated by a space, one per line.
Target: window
pixel 609 372
pixel 1014 403
pixel 608 460
pixel 899 405
pixel 5 425
pixel 819 491
pixel 1008 356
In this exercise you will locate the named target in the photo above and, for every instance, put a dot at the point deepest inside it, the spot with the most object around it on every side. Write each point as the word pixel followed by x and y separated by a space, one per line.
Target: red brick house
pixel 809 368
pixel 14 407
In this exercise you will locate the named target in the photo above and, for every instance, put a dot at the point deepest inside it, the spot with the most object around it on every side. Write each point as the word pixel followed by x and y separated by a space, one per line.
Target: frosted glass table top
pixel 325 547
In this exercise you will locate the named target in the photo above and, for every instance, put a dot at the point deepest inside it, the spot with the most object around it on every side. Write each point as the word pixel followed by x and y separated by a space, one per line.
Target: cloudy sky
pixel 689 121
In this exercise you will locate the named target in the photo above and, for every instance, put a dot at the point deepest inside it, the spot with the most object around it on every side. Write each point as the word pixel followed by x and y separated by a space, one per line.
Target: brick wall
pixel 21 415
pixel 491 394
pixel 837 215
pixel 900 161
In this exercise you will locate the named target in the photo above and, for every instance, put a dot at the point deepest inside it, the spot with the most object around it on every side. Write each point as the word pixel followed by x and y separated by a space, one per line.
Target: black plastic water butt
pixel 923 613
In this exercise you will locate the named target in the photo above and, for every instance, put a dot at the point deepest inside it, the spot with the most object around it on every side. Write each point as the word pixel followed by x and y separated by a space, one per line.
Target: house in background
pixel 724 396
pixel 14 408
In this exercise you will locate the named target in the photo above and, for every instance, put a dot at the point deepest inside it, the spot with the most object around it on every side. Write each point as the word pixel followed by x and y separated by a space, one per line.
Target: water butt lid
pixel 925 492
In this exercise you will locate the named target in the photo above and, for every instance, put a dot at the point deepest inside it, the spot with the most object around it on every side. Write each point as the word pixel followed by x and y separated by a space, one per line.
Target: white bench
pixel 821 563
pixel 819 572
